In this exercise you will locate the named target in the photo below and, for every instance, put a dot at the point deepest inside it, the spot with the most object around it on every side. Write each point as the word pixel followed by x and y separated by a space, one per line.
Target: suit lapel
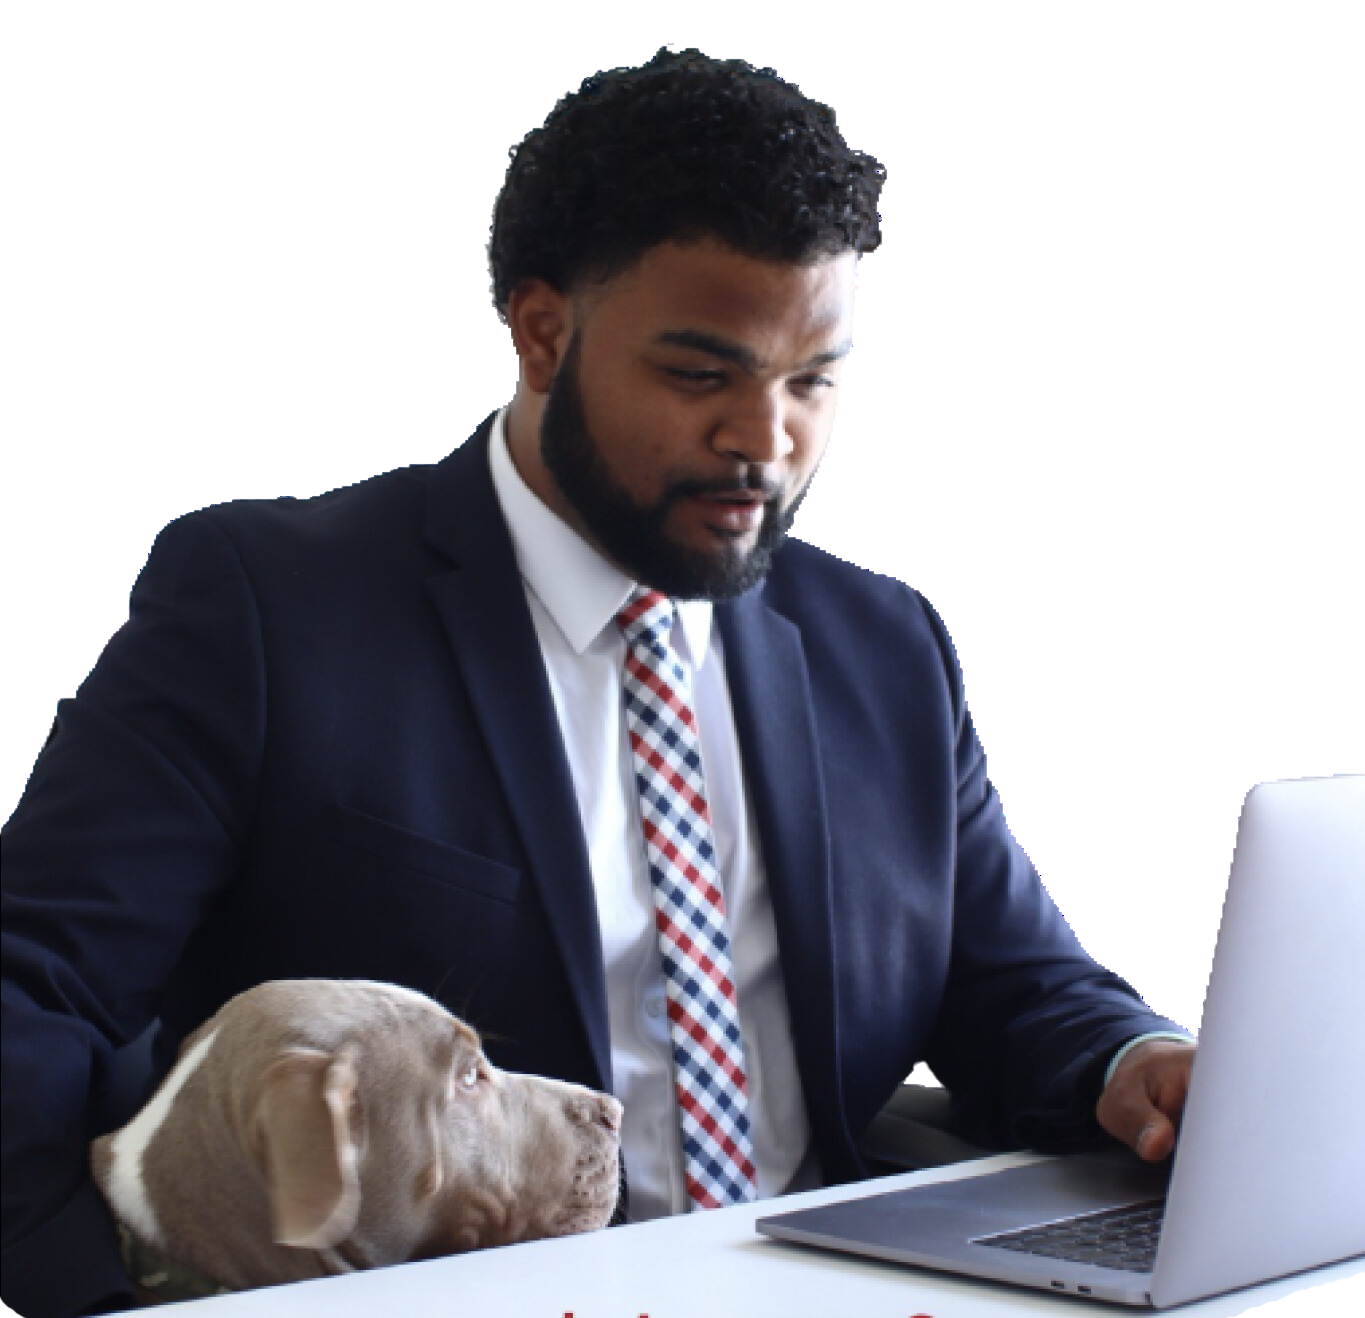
pixel 482 605
pixel 774 716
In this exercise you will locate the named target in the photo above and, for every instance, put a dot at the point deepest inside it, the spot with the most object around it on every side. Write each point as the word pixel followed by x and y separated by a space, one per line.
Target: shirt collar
pixel 581 591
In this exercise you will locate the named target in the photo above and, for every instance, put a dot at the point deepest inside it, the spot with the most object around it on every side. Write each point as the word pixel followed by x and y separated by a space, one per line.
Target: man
pixel 485 728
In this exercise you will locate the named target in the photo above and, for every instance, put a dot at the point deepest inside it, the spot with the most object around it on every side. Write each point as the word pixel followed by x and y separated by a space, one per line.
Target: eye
pixel 469 1077
pixel 695 378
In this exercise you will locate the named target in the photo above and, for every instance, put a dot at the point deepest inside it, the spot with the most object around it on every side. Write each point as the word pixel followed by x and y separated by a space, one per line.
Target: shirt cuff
pixel 1133 1043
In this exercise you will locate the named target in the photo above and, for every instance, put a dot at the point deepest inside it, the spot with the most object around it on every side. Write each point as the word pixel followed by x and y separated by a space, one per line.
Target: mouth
pixel 621 1207
pixel 731 513
pixel 730 510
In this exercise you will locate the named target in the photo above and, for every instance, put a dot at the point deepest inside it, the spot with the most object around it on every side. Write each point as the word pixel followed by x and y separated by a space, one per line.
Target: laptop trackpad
pixel 1063 1187
pixel 921 1217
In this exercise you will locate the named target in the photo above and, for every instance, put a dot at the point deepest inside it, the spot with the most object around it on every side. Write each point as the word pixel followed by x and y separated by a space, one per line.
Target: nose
pixel 755 431
pixel 587 1107
pixel 609 1113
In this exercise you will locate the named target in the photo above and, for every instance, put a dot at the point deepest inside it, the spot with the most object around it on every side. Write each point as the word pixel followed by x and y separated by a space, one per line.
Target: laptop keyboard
pixel 1123 1238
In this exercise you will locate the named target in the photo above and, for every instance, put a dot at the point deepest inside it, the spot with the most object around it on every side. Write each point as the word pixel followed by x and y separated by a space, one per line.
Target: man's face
pixel 692 408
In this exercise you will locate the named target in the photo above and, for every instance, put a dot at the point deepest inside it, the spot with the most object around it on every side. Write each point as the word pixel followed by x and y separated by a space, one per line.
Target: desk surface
pixel 714 1265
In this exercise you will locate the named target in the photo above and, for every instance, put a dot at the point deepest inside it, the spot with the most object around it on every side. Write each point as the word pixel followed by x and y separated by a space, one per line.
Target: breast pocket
pixel 388 846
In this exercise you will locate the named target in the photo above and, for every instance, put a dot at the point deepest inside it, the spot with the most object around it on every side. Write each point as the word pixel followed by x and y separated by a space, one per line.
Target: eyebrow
pixel 740 355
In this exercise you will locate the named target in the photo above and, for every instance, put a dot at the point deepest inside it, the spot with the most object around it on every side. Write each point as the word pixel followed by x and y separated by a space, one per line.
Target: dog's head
pixel 359 1123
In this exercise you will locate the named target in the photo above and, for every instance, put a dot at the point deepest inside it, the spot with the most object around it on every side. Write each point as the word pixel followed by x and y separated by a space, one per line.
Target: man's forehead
pixel 691 265
pixel 708 296
pixel 743 354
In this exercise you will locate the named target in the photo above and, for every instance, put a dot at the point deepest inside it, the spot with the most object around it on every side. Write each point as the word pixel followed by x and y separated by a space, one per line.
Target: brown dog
pixel 313 1127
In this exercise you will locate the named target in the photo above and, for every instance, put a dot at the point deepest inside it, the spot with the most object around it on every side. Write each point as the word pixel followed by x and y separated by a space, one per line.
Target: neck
pixel 162 1279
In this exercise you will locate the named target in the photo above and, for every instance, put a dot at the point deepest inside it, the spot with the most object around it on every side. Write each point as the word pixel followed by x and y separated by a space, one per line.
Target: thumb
pixel 1156 1140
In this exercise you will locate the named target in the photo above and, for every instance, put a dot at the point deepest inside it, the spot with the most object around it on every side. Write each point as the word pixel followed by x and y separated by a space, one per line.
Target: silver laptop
pixel 1269 1175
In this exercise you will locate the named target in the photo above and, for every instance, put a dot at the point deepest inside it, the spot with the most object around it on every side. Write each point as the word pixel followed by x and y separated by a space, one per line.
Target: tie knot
pixel 646 617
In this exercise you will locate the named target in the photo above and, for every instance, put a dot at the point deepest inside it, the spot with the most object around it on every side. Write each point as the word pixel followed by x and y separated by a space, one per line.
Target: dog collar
pixel 163 1279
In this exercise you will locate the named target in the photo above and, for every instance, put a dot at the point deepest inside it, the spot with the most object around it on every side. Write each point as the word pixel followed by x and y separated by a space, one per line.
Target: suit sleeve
pixel 132 822
pixel 1028 1019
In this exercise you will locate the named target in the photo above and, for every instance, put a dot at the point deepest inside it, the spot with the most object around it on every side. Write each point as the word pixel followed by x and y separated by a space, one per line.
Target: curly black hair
pixel 683 147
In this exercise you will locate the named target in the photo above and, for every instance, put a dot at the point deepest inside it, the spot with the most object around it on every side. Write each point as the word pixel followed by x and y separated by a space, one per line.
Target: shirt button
pixel 654 1008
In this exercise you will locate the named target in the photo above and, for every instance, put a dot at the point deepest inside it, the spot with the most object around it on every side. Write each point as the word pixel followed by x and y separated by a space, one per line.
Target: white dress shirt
pixel 574 595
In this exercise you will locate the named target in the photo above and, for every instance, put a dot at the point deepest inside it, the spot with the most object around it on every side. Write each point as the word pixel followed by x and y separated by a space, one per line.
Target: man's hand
pixel 1142 1103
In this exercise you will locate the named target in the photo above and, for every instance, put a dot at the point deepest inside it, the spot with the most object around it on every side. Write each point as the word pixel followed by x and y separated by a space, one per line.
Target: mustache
pixel 752 483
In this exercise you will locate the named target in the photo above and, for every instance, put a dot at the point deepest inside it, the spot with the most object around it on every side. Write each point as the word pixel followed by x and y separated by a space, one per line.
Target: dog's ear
pixel 307 1144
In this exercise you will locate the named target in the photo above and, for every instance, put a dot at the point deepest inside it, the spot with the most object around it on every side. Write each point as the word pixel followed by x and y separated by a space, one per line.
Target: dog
pixel 315 1127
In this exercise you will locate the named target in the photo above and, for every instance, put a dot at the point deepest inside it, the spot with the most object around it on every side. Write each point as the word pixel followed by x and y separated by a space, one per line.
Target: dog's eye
pixel 469 1077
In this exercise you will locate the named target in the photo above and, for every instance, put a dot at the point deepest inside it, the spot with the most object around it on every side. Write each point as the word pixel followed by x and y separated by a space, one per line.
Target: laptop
pixel 1269 1174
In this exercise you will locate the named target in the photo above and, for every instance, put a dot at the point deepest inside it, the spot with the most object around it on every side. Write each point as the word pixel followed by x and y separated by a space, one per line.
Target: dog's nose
pixel 609 1113
pixel 589 1108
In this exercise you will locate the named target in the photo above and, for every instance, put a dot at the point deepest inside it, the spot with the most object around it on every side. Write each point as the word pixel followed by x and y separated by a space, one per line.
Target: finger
pixel 1156 1140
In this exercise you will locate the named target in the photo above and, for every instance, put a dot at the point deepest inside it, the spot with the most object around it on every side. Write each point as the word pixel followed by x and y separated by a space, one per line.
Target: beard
pixel 635 536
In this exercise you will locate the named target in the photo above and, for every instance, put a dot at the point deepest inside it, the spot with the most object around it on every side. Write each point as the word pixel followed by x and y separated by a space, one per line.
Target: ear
pixel 541 319
pixel 307 1145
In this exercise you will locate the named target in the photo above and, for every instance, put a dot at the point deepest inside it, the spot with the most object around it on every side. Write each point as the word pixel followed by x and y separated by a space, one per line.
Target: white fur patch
pixel 127 1189
pixel 398 991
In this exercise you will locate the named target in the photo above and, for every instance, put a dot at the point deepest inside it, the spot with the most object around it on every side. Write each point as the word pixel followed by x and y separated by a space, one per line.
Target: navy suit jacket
pixel 324 745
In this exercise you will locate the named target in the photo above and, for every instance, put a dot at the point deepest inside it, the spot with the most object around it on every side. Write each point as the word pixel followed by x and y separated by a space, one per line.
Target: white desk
pixel 714 1265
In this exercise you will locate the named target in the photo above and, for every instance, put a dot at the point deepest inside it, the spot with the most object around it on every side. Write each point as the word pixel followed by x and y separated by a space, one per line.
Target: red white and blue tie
pixel 689 910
